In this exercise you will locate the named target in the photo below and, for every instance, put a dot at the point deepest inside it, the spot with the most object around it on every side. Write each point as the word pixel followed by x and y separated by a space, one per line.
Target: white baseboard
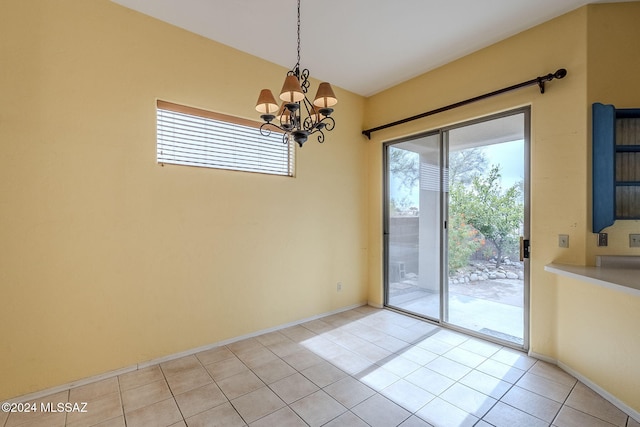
pixel 64 387
pixel 602 392
pixel 543 358
pixel 593 386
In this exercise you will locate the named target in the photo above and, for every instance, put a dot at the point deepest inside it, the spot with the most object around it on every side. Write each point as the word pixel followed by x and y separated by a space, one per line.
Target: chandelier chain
pixel 298 63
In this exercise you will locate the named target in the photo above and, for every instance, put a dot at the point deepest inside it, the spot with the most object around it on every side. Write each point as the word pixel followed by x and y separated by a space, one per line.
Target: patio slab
pixel 490 307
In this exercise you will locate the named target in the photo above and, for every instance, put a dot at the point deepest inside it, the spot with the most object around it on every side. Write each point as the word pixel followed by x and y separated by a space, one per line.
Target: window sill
pixel 619 279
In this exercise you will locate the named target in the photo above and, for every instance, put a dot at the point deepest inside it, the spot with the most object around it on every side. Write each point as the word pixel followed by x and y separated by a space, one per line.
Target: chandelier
pixel 297 117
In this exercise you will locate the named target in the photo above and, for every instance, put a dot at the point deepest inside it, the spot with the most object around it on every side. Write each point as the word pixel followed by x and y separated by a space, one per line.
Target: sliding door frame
pixel 444 164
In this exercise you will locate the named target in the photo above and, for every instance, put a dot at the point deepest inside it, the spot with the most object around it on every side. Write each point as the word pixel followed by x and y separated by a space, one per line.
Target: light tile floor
pixel 363 367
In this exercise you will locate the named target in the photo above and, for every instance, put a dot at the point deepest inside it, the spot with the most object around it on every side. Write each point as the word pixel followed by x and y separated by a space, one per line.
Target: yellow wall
pixel 108 259
pixel 565 318
pixel 598 337
pixel 558 143
pixel 614 67
pixel 598 329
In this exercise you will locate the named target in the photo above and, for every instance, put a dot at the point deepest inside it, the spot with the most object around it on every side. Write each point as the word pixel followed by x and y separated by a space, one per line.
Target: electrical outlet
pixel 603 239
pixel 634 240
pixel 563 240
pixel 339 286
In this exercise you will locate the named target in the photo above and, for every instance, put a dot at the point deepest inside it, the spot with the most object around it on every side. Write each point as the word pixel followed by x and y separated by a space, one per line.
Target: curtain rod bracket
pixel 559 74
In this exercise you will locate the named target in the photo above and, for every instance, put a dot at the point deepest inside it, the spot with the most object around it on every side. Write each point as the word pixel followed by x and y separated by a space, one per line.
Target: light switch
pixel 563 240
pixel 603 239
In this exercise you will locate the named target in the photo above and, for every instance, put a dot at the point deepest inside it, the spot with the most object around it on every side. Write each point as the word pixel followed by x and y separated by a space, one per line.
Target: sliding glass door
pixel 456 208
pixel 413 225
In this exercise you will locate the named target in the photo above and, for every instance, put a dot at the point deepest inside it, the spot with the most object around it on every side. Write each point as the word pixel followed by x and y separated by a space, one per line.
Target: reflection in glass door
pixel 413 225
pixel 456 208
pixel 485 284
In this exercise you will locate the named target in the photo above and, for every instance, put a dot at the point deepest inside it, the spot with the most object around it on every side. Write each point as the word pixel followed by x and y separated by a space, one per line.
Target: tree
pixel 494 212
pixel 464 241
pixel 404 165
pixel 465 164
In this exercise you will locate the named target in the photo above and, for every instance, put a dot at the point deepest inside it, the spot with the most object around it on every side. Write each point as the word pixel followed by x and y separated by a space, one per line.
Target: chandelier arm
pixel 329 123
pixel 308 106
pixel 265 131
pixel 309 124
pixel 319 128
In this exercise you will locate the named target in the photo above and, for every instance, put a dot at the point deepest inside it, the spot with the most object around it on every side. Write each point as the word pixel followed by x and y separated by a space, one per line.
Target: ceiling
pixel 364 46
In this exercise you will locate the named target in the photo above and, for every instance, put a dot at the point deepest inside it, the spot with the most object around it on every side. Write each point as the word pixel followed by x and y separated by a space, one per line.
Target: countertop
pixel 620 279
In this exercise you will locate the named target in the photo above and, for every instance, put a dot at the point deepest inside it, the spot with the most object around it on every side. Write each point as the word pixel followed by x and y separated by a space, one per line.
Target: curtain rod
pixel 538 80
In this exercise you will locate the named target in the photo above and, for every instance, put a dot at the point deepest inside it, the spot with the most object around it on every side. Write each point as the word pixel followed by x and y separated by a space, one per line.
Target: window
pixel 192 137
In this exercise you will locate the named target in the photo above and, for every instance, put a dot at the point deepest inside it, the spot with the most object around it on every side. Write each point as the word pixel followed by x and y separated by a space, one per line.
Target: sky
pixel 509 155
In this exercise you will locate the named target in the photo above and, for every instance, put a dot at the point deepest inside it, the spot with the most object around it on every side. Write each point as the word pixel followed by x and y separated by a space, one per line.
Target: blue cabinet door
pixel 604 176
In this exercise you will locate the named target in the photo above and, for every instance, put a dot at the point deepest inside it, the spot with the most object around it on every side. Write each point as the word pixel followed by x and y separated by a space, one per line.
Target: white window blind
pixel 430 177
pixel 193 137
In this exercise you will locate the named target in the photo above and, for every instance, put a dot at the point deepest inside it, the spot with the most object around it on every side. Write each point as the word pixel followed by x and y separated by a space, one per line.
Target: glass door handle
pixel 525 248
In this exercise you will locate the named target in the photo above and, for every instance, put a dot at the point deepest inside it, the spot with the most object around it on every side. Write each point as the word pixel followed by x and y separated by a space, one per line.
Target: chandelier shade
pixel 291 90
pixel 297 118
pixel 325 97
pixel 266 102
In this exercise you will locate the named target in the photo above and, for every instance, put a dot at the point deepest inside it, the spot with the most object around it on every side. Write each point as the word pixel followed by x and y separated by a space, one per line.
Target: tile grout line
pixel 564 402
pixel 518 409
pixel 586 413
pixel 338 340
pixel 475 369
pixel 413 344
pixel 347 410
pixel 173 396
pixel 124 417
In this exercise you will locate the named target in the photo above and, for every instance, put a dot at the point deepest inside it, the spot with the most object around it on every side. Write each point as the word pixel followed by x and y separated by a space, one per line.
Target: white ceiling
pixel 364 46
